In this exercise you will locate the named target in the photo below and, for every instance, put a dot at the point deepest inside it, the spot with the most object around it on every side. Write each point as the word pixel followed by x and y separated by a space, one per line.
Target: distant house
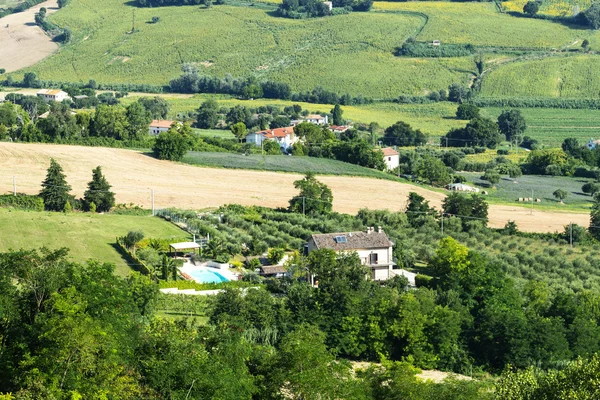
pixel 284 136
pixel 157 126
pixel 461 187
pixel 391 158
pixel 339 129
pixel 592 144
pixel 273 271
pixel 329 4
pixel 317 119
pixel 373 247
pixel 53 95
pixel 436 43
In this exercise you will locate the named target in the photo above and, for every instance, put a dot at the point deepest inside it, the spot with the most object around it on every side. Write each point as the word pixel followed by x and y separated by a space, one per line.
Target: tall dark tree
pixel 55 190
pixel 207 115
pixel 171 145
pixel 531 8
pixel 314 197
pixel 138 119
pixel 417 208
pixel 402 134
pixel 156 106
pixel 512 124
pixel 336 113
pixel 98 192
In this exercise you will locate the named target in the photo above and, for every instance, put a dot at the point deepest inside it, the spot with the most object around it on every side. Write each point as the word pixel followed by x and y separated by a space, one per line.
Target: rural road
pixel 23 43
pixel 134 174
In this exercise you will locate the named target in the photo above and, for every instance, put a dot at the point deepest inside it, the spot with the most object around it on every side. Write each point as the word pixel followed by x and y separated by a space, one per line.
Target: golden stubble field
pixel 22 43
pixel 133 176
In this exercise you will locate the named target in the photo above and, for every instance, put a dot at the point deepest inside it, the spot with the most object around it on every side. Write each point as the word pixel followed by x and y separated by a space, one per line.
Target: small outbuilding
pixel 182 246
pixel 391 157
pixel 461 187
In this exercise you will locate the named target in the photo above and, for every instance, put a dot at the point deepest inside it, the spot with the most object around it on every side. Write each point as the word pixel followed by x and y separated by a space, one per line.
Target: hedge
pixel 22 202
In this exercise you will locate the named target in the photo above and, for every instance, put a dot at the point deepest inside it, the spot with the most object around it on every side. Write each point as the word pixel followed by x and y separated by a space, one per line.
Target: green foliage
pixel 478 132
pixel 238 130
pixel 434 171
pixel 98 193
pixel 467 111
pixel 590 188
pixel 55 190
pixel 512 125
pixel 492 176
pixel 560 194
pixel 171 145
pixel 402 134
pixel 337 115
pixel 472 208
pixel 531 8
pixel 314 197
pixel 275 255
pixel 424 50
pixel 591 16
pixel 22 202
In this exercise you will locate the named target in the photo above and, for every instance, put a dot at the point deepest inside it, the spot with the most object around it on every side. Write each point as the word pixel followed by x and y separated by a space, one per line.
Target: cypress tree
pixel 55 190
pixel 98 193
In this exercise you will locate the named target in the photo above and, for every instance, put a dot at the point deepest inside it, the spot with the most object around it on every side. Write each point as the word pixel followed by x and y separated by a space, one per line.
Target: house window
pixel 389 158
pixel 373 258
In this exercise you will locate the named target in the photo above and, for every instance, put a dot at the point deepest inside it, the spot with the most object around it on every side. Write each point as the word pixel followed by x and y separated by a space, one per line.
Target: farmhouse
pixel 461 187
pixel 391 158
pixel 284 136
pixel 373 247
pixel 339 129
pixel 53 95
pixel 317 119
pixel 157 126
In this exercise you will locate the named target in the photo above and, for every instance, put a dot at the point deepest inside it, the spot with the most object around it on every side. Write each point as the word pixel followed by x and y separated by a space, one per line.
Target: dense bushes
pixel 417 49
pixel 22 202
pixel 20 7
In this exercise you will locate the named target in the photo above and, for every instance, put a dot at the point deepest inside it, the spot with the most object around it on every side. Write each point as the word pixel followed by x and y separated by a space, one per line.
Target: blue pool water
pixel 206 275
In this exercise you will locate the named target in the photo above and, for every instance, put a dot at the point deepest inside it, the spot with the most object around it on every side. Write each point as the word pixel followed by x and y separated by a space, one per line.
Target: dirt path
pixel 133 175
pixel 23 43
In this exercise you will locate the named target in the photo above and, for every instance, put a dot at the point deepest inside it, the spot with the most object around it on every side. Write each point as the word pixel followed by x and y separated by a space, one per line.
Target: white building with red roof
pixel 159 125
pixel 391 158
pixel 284 136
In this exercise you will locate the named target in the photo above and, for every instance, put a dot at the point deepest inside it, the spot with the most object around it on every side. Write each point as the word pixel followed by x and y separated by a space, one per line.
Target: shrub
pixel 22 202
pixel 423 281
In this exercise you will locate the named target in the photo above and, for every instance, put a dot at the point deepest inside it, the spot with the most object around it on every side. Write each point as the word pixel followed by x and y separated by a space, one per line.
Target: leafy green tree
pixel 207 115
pixel 138 121
pixel 590 188
pixel 238 130
pixel 98 193
pixel 402 134
pixel 271 147
pixel 132 239
pixel 55 190
pixel 531 8
pixel 467 111
pixel 492 176
pixel 60 124
pixel 171 145
pixel 110 122
pixel 594 227
pixel 473 207
pixel 417 208
pixel 457 93
pixel 514 172
pixel 275 255
pixel 156 106
pixel 478 132
pixel 336 113
pixel 512 124
pixel 237 114
pixel 591 16
pixel 560 194
pixel 450 256
pixel 312 133
pixel 434 170
pixel 314 197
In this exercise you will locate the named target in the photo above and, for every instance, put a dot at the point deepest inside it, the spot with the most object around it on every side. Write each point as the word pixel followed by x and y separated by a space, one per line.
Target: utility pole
pixel 303 205
pixel 571 234
pixel 262 145
pixel 14 186
pixel 152 192
pixel 531 201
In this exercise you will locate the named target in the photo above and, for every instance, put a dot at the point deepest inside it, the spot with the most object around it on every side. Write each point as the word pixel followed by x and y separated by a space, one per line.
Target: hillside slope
pixel 133 175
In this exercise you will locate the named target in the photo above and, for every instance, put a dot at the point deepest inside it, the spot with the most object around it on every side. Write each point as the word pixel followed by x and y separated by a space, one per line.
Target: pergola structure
pixel 184 246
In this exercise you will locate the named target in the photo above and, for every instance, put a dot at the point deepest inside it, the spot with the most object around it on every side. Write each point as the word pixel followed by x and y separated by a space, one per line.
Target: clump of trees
pixel 314 198
pixel 591 16
pixel 174 143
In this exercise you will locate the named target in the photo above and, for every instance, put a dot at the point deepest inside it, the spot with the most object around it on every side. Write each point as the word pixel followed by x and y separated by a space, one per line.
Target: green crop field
pixel 482 25
pixel 543 186
pixel 346 53
pixel 282 164
pixel 560 8
pixel 566 77
pixel 550 126
pixel 87 235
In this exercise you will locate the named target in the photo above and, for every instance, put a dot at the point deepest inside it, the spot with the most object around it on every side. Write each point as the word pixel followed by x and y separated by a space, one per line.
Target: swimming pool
pixel 206 275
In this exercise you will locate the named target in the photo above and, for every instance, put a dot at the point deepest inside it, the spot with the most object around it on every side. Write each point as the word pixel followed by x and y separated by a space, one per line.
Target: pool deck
pixel 189 267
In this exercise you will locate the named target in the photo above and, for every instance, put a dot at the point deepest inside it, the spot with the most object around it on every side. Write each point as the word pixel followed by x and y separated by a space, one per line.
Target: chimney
pixel 379 230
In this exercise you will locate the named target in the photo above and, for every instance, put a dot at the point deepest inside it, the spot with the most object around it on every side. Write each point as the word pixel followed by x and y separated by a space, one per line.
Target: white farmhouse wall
pixel 392 162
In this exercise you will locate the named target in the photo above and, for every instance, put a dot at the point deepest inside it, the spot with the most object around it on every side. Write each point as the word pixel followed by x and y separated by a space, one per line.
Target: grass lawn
pixel 86 235
pixel 282 163
pixel 543 186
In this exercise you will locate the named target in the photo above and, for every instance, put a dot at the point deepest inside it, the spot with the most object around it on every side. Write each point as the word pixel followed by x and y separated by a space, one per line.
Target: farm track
pixel 134 174
pixel 22 43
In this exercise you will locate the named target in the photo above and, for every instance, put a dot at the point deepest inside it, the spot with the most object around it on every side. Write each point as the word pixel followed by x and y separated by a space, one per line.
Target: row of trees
pixel 55 192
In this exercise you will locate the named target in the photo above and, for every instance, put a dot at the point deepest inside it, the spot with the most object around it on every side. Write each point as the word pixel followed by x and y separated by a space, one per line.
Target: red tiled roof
pixel 158 123
pixel 340 128
pixel 277 132
pixel 388 151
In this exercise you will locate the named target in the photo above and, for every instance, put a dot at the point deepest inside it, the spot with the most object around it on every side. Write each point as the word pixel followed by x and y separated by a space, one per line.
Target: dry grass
pixel 134 174
pixel 22 43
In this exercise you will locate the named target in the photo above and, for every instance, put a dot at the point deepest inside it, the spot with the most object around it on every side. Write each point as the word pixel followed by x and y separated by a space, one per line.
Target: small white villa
pixel 391 158
pixel 157 126
pixel 284 136
pixel 53 95
pixel 317 119
pixel 592 144
pixel 372 246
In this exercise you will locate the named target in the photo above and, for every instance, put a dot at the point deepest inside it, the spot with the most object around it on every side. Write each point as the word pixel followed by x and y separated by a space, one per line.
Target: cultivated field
pixel 86 235
pixel 347 53
pixel 133 175
pixel 22 43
